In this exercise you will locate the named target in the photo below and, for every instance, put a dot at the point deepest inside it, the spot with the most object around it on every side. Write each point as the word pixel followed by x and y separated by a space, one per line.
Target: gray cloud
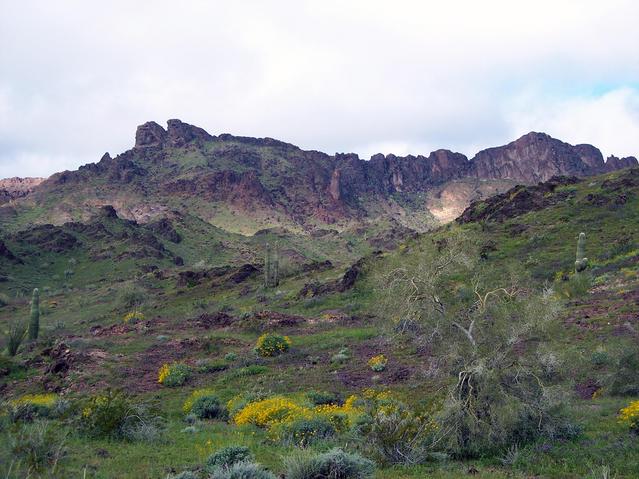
pixel 406 76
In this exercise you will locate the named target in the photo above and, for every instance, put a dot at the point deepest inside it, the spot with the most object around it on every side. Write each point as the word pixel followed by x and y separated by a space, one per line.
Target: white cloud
pixel 330 75
pixel 610 121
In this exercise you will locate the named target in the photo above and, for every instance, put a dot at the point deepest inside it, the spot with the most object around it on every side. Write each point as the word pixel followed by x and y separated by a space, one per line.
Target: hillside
pixel 209 315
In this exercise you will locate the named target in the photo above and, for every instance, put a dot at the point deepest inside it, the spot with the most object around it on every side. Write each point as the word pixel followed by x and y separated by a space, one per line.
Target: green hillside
pixel 552 360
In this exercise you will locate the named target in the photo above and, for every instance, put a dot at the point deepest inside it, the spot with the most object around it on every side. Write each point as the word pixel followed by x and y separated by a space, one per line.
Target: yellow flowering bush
pixel 270 344
pixel 133 317
pixel 378 363
pixel 174 374
pixel 30 406
pixel 629 416
pixel 47 400
pixel 267 412
pixel 297 423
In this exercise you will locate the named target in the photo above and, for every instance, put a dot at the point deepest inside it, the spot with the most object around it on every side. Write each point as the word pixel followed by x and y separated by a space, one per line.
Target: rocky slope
pixel 245 184
pixel 12 188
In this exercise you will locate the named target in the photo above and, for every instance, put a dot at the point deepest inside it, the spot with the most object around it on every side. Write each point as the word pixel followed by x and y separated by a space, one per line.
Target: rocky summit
pixel 272 183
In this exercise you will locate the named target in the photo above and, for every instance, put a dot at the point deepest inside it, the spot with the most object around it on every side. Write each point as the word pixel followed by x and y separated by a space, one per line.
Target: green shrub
pixel 242 470
pixel 205 366
pixel 240 401
pixel 320 398
pixel 38 445
pixel 14 337
pixel 4 300
pixel 624 380
pixel 334 464
pixel 341 357
pixel 304 431
pixel 36 406
pixel 393 433
pixel 174 374
pixel 230 357
pixel 114 415
pixel 228 456
pixel 208 407
pixel 270 344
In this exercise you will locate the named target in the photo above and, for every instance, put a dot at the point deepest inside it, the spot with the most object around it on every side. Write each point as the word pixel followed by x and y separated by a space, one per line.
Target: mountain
pixel 243 184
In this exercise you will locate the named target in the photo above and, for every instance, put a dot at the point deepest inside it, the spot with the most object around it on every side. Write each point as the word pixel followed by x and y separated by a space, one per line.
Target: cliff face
pixel 12 188
pixel 174 168
pixel 536 157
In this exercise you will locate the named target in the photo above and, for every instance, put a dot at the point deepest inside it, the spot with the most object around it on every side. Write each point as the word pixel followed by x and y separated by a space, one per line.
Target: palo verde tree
pixel 483 329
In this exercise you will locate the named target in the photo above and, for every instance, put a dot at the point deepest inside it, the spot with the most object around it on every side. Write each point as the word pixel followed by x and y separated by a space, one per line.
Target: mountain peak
pixel 149 134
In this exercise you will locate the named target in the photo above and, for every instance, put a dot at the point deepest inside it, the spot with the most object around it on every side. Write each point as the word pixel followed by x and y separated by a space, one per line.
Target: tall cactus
pixel 271 266
pixel 34 322
pixel 581 262
pixel 267 266
pixel 276 265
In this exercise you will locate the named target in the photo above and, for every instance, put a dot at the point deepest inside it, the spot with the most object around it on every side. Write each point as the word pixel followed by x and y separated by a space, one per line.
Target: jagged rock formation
pixel 183 166
pixel 613 163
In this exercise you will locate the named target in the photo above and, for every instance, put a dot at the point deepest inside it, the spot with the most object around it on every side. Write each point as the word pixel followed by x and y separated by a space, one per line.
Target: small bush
pixel 322 397
pixel 39 445
pixel 272 344
pixel 266 412
pixel 4 300
pixel 239 402
pixel 304 431
pixel 230 356
pixel 341 357
pixel 173 375
pixel 205 366
pixel 392 432
pixel 228 456
pixel 625 378
pixel 334 464
pixel 133 317
pixel 378 363
pixel 242 470
pixel 209 407
pixel 629 416
pixel 33 406
pixel 114 415
pixel 14 337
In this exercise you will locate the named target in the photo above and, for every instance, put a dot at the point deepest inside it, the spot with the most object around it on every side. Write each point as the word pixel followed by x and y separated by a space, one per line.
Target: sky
pixel 363 76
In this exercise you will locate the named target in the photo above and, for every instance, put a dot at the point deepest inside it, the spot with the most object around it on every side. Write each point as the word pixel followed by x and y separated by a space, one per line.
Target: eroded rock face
pixel 613 163
pixel 536 157
pixel 180 133
pixel 12 188
pixel 150 134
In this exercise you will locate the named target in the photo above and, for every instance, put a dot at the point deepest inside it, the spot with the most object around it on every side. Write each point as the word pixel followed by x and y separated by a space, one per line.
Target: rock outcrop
pixel 536 157
pixel 613 163
pixel 12 188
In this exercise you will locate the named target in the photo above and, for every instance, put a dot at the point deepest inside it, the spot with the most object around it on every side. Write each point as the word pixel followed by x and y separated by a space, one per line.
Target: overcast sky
pixel 77 77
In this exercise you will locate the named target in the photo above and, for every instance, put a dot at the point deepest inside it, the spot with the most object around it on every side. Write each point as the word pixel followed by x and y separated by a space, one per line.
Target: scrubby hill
pixel 337 318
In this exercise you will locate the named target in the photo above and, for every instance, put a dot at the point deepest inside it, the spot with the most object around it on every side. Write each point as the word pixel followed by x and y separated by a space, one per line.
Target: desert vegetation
pixel 482 347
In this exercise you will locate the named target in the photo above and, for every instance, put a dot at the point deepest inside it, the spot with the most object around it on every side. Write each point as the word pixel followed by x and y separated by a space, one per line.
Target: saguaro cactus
pixel 34 322
pixel 581 262
pixel 271 266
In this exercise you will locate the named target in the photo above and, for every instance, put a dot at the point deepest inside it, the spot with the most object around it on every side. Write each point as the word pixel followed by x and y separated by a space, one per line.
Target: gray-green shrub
pixel 242 470
pixel 334 464
pixel 228 456
pixel 209 407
